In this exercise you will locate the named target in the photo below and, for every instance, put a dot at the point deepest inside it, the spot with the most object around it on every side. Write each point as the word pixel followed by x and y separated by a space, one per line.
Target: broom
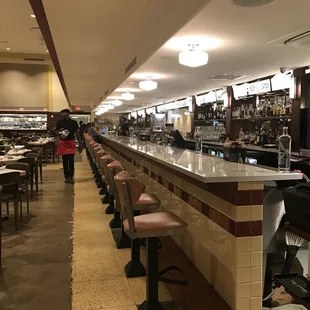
pixel 293 243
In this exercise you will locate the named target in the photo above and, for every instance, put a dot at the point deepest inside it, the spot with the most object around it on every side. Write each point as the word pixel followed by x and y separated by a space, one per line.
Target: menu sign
pixel 221 94
pixel 281 81
pixel 259 87
pixel 240 90
pixel 263 86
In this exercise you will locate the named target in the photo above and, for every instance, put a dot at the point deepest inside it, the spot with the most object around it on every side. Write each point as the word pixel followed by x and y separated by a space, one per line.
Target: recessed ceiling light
pixel 8 49
pixel 46 51
pixel 251 3
pixel 33 16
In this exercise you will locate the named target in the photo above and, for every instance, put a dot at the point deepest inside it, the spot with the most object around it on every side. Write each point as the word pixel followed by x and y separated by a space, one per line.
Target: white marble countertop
pixel 208 169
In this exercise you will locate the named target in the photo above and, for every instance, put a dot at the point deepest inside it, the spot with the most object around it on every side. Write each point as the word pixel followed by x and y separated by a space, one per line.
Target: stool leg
pixel 116 221
pixel 110 207
pixel 106 198
pixel 135 268
pixel 102 190
pixel 151 302
pixel 123 242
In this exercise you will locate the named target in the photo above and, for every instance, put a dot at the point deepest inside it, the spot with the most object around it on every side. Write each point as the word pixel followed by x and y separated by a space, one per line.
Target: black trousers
pixel 68 164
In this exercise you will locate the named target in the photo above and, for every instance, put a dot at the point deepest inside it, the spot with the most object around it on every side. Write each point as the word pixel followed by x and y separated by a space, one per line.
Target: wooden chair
pixel 11 192
pixel 24 180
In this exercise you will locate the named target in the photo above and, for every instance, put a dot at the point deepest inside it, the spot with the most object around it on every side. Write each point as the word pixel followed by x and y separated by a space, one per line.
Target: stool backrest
pixel 113 172
pixel 113 168
pixel 129 191
pixel 104 161
pixel 103 164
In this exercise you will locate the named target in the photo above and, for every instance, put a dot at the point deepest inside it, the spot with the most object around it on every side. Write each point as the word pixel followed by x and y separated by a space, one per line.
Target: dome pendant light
pixel 128 96
pixel 193 58
pixel 148 85
pixel 117 103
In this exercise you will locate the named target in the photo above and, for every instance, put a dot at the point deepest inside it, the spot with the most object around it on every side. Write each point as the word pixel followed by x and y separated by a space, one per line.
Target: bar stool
pixel 97 173
pixel 100 153
pixel 104 161
pixel 150 226
pixel 112 169
pixel 144 201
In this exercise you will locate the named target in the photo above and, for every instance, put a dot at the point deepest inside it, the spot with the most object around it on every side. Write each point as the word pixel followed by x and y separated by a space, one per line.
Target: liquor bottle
pixel 198 140
pixel 241 134
pixel 284 153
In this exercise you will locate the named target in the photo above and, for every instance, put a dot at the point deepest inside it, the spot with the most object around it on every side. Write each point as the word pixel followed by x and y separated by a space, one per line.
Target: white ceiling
pixel 95 40
pixel 244 34
pixel 15 24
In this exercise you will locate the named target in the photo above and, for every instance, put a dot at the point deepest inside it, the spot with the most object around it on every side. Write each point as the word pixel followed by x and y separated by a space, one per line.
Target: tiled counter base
pixel 224 235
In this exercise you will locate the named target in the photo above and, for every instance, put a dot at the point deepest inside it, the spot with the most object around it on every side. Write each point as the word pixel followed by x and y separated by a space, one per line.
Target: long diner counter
pixel 222 202
pixel 207 169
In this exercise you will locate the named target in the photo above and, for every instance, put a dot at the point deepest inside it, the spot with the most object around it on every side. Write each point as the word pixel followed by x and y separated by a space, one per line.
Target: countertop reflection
pixel 205 168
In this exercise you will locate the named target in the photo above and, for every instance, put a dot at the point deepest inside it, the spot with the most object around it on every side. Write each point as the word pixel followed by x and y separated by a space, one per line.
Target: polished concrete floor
pixel 41 268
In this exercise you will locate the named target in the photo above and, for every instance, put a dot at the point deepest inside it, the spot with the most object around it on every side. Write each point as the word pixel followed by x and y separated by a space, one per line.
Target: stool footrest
pixel 172 281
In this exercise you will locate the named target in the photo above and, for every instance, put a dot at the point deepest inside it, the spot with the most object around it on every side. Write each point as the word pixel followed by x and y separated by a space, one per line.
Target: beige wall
pixel 182 123
pixel 30 87
pixel 57 98
pixel 110 117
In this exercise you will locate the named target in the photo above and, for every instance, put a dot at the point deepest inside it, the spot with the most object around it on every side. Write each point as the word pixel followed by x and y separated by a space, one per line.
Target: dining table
pixel 5 171
pixel 44 144
pixel 9 159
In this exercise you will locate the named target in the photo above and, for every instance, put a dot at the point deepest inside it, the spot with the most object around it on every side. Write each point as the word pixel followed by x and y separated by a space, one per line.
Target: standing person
pixel 92 131
pixel 68 129
pixel 82 130
pixel 125 127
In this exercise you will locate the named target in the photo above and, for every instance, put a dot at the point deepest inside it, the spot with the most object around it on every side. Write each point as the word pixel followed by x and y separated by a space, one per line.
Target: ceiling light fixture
pixel 8 49
pixel 128 96
pixel 117 103
pixel 33 16
pixel 193 58
pixel 148 84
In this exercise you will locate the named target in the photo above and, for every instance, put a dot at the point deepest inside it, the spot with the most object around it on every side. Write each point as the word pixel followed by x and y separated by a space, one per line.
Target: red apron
pixel 66 147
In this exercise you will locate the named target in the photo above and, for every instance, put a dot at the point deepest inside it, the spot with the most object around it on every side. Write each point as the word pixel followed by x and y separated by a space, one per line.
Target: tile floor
pixel 39 270
pixel 98 280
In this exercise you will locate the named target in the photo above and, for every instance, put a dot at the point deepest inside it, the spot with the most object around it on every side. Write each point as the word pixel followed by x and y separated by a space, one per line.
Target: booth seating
pixel 150 226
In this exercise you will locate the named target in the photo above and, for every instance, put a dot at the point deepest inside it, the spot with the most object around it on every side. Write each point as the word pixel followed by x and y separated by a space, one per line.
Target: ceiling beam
pixel 39 12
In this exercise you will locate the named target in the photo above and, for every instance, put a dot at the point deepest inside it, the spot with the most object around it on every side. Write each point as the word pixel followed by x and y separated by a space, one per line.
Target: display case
pixel 23 122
